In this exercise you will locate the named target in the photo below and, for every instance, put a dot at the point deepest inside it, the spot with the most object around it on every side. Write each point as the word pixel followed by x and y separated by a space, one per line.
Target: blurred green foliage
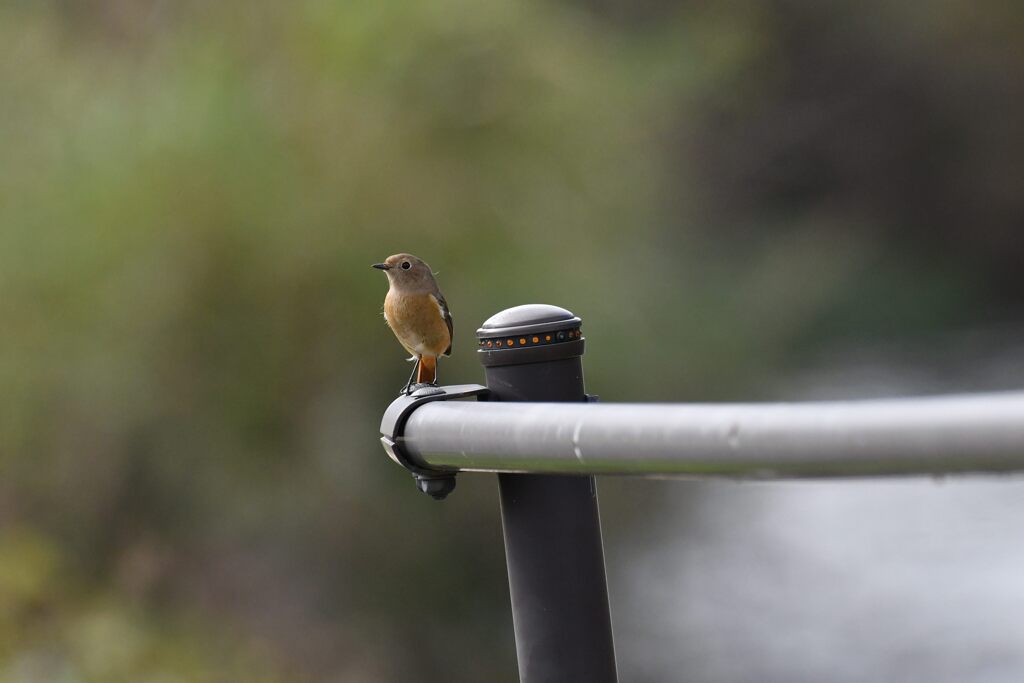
pixel 192 359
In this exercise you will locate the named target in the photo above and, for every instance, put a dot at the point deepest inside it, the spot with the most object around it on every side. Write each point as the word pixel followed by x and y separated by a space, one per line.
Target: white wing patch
pixel 440 308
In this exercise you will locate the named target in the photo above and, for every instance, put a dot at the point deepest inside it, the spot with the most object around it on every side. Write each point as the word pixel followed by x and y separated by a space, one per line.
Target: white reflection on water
pixel 869 581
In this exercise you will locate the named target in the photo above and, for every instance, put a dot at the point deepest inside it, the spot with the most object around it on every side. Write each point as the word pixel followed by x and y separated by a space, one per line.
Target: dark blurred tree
pixel 889 118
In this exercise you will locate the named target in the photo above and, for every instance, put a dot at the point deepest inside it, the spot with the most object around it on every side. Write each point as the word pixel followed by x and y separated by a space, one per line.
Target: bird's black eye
pixel 406 265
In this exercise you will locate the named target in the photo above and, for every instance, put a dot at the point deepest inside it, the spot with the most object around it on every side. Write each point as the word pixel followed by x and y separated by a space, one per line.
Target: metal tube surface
pixel 933 435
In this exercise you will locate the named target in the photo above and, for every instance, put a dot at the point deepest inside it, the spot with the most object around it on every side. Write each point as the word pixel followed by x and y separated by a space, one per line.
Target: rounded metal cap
pixel 528 318
pixel 532 333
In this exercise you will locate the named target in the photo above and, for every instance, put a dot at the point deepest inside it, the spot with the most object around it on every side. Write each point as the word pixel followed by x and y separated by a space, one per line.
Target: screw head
pixel 437 488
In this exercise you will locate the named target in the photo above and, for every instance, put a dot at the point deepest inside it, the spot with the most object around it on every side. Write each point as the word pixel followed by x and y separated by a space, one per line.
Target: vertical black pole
pixel 552 530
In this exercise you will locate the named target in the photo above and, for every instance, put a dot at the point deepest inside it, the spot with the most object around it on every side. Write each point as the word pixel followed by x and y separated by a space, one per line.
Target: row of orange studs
pixel 561 336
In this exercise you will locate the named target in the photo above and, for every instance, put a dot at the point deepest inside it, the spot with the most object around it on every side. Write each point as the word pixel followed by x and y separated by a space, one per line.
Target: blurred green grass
pixel 195 361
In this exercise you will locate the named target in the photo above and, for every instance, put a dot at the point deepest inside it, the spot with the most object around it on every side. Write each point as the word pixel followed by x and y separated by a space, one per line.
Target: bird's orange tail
pixel 428 370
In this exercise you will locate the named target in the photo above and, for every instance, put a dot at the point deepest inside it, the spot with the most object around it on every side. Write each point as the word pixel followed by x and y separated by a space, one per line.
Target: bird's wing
pixel 443 305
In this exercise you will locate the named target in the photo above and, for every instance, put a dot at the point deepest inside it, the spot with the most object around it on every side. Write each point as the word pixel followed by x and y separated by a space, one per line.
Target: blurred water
pixel 876 580
pixel 847 581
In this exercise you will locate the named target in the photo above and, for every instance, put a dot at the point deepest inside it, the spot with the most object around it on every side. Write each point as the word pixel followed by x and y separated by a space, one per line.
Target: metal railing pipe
pixel 933 435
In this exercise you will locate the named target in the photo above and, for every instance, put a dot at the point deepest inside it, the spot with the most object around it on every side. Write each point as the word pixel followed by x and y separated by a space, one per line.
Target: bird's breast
pixel 417 321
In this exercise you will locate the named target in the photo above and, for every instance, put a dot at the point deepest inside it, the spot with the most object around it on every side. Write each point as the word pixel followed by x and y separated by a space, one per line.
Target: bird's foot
pixel 410 389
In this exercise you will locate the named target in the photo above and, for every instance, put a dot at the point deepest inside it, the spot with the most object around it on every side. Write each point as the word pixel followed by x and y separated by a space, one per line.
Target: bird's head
pixel 407 272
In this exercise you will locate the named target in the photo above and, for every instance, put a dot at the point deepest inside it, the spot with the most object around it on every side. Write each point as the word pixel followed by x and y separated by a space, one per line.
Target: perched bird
pixel 418 315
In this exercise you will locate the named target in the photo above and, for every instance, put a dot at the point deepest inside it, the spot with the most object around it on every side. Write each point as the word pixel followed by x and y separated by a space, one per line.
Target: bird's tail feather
pixel 427 373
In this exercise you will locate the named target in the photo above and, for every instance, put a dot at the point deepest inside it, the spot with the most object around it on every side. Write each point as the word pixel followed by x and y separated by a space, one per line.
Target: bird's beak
pixel 382 266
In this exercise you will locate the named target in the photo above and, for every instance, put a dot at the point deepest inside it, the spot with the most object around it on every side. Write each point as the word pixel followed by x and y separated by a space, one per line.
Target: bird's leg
pixel 408 385
pixel 428 370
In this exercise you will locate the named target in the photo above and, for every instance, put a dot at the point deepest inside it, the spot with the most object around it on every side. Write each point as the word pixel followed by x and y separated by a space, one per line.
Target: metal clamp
pixel 435 483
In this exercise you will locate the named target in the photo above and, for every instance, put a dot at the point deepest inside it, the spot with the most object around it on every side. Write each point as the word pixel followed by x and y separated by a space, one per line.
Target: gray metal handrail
pixel 930 435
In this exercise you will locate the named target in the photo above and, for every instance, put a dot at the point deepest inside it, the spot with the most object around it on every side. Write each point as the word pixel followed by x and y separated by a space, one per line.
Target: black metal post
pixel 552 529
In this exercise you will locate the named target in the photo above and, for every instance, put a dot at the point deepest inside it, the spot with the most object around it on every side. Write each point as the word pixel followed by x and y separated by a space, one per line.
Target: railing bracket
pixel 436 483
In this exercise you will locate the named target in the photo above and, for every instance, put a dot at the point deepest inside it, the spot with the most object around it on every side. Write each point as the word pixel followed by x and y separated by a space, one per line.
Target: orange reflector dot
pixel 535 340
pixel 547 337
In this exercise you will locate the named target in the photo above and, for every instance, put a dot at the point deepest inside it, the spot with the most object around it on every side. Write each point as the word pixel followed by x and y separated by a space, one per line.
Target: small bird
pixel 417 313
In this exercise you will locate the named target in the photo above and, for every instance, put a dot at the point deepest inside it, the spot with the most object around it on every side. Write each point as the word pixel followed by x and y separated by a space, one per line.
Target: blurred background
pixel 743 200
